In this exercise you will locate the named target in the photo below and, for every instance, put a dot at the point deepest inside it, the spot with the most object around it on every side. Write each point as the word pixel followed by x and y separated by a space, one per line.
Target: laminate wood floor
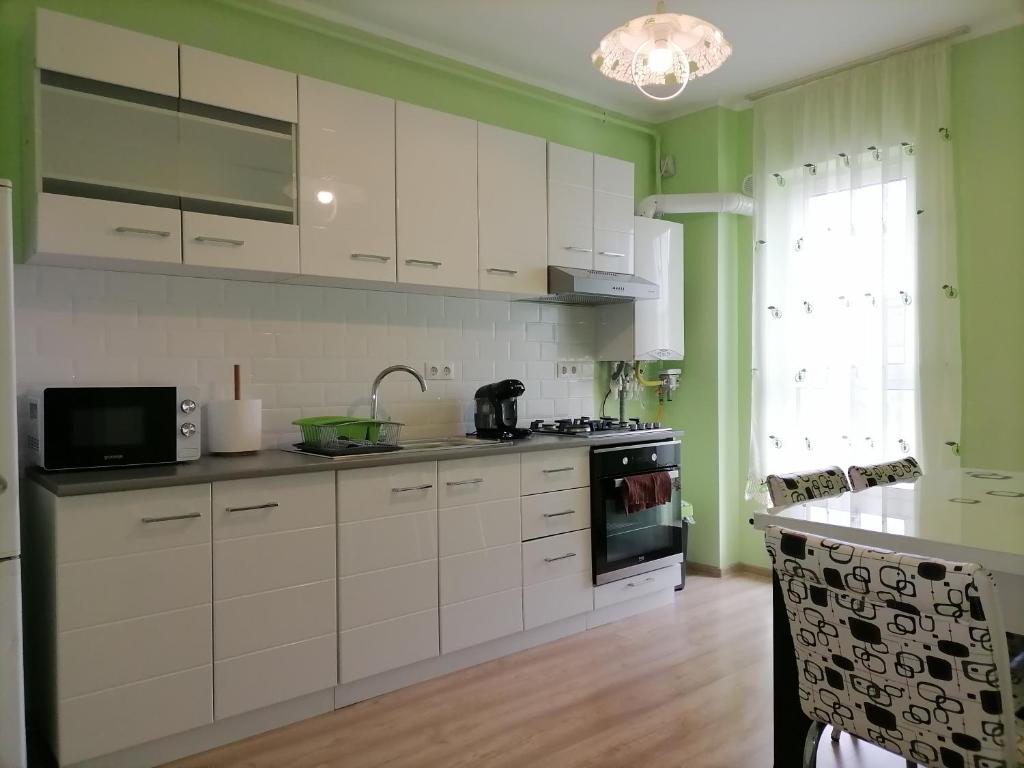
pixel 687 685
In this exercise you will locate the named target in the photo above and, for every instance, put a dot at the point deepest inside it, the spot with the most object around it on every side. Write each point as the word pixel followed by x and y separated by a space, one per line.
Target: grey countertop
pixel 276 462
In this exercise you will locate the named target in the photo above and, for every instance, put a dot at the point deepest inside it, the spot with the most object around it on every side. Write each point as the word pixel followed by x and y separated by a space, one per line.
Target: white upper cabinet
pixel 613 215
pixel 223 81
pixel 513 210
pixel 590 210
pixel 436 171
pixel 83 48
pixel 347 182
pixel 570 207
pixel 226 242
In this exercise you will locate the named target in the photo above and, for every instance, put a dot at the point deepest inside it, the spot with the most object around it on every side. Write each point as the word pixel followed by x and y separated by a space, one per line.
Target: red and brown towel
pixel 645 491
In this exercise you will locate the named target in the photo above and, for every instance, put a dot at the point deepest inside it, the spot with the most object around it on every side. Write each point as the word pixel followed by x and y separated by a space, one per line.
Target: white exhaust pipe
pixel 704 202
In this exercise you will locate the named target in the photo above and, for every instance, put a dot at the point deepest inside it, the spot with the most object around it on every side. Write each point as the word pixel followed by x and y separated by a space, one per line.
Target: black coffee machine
pixel 497 412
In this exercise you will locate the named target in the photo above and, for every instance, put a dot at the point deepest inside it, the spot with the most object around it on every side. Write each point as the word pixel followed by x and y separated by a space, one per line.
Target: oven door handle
pixel 674 474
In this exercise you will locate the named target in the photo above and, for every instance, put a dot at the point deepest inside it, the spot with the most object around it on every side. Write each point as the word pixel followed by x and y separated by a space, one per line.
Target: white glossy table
pixel 969 515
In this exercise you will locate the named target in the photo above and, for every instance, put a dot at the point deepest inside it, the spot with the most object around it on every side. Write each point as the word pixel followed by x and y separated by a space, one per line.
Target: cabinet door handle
pixel 424 263
pixel 578 249
pixel 3 484
pixel 219 241
pixel 612 253
pixel 254 507
pixel 408 489
pixel 142 231
pixel 558 469
pixel 370 257
pixel 648 580
pixel 474 481
pixel 168 518
pixel 499 271
pixel 560 514
pixel 566 556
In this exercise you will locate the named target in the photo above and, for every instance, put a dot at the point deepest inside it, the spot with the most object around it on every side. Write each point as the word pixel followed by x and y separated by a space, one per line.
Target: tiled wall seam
pixel 304 350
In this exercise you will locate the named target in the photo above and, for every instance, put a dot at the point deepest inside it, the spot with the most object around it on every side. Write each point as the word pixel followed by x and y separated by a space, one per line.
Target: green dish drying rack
pixel 330 432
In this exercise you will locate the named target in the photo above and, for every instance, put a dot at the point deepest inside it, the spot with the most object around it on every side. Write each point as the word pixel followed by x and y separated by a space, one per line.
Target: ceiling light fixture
pixel 660 53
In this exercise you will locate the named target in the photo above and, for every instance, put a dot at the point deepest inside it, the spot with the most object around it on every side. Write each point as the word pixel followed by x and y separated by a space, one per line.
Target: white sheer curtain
pixel 856 321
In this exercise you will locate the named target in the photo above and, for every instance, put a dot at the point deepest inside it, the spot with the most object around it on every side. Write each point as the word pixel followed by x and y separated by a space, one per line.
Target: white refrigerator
pixel 12 688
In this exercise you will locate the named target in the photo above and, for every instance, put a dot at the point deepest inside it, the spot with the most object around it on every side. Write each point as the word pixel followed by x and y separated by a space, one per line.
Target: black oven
pixel 629 543
pixel 89 427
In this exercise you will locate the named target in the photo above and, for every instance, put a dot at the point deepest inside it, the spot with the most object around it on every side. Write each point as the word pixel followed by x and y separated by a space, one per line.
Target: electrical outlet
pixel 570 369
pixel 439 370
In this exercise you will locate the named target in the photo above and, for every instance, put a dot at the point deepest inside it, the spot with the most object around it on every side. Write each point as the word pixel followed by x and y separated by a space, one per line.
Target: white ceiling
pixel 548 42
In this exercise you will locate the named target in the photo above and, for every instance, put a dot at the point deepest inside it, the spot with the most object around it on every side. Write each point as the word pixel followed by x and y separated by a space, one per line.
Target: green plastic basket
pixel 326 431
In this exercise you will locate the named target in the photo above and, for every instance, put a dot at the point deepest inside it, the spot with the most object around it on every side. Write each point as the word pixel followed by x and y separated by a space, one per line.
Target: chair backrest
pixel 901 471
pixel 907 653
pixel 801 486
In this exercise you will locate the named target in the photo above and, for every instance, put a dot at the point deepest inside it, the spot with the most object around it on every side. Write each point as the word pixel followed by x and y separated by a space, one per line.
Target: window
pixel 838 326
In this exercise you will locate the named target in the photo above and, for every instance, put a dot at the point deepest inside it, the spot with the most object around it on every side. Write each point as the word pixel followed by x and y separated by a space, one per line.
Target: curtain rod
pixel 961 30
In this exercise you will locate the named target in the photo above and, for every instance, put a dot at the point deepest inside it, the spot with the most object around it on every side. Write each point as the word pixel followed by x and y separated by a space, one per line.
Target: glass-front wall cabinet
pixel 109 142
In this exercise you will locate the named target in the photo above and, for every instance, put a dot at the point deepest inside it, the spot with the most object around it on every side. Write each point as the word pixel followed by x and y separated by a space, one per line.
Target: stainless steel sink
pixel 436 443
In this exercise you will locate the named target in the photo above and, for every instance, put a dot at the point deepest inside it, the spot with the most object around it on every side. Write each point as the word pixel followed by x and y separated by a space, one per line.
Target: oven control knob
pixel 188 429
pixel 654 456
pixel 187 406
pixel 625 459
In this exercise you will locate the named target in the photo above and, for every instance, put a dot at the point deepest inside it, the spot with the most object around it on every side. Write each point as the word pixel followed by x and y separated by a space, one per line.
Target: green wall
pixel 261 32
pixel 988 145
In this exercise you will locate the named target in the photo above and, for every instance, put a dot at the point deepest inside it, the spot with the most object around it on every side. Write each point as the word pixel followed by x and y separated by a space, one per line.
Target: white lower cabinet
pixel 557 579
pixel 637 586
pixel 128 601
pixel 387 568
pixel 480 572
pixel 274 580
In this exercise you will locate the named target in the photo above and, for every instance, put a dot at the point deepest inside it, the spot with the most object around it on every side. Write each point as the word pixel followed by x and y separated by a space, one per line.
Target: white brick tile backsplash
pixel 524 350
pixel 541 370
pixel 524 312
pixel 299 395
pixel 54 282
pixel 142 289
pixel 195 291
pixel 299 344
pixel 168 370
pixel 248 296
pixel 106 370
pixel 304 350
pixel 554 388
pixel 323 369
pixel 195 343
pixel 249 344
pixel 168 317
pixel 461 309
pixel 494 310
pixel 135 341
pixel 101 313
pixel 69 341
pixel 540 332
pixel 346 343
pixel 273 370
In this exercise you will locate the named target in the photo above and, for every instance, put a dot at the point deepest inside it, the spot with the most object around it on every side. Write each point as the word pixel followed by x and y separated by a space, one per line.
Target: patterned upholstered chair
pixel 906 653
pixel 800 486
pixel 902 471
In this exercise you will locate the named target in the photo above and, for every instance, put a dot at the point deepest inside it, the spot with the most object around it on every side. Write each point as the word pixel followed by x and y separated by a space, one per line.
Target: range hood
pixel 569 285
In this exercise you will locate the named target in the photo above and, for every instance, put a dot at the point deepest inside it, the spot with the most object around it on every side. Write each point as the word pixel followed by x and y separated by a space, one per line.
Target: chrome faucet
pixel 380 377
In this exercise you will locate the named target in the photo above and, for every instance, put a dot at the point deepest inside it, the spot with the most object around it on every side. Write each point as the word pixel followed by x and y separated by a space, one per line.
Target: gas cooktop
pixel 596 428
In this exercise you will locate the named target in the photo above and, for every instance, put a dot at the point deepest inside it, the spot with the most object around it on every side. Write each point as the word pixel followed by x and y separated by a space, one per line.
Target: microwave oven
pixel 92 427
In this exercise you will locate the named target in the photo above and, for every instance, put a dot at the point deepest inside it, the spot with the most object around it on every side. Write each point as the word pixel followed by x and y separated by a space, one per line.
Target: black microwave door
pixel 109 426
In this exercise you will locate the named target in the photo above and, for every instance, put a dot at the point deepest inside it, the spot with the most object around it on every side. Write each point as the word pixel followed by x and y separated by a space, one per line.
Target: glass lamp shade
pixel 661 53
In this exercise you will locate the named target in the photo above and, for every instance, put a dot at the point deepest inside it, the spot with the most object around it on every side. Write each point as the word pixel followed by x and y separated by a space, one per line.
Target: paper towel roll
pixel 234 426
